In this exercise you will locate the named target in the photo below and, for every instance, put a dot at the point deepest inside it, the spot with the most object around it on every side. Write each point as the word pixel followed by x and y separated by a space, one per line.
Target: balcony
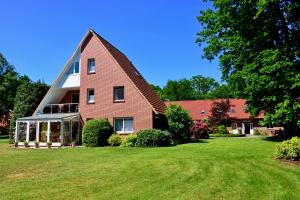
pixel 61 108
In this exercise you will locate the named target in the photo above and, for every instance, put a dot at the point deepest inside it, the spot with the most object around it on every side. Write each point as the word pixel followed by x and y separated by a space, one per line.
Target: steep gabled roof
pixel 200 109
pixel 133 74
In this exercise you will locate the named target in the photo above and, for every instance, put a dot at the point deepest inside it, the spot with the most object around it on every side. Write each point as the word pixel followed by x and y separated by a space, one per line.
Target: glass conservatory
pixel 58 129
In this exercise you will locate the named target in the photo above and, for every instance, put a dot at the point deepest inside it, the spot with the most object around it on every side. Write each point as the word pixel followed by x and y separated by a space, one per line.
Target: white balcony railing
pixel 61 108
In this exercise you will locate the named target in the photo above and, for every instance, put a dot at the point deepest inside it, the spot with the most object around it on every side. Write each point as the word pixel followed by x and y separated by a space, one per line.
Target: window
pixel 202 112
pixel 234 126
pixel 91 66
pixel 123 125
pixel 90 96
pixel 119 94
pixel 74 68
pixel 233 110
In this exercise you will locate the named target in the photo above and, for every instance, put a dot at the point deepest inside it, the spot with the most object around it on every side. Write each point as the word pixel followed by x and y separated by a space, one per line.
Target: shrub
pixel 179 123
pixel 153 138
pixel 96 132
pixel 221 130
pixel 114 140
pixel 26 144
pixel 129 141
pixel 289 149
pixel 49 144
pixel 256 132
pixel 199 130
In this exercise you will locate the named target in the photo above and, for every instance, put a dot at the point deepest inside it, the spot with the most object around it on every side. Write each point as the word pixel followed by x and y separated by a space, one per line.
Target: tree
pixel 219 112
pixel 28 97
pixel 159 91
pixel 202 86
pixel 179 123
pixel 221 92
pixel 178 90
pixel 258 46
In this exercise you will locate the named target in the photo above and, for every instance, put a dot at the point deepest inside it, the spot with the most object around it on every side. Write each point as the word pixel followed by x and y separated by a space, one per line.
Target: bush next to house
pixel 289 149
pixel 129 141
pixel 199 130
pixel 221 130
pixel 179 123
pixel 96 132
pixel 114 140
pixel 153 138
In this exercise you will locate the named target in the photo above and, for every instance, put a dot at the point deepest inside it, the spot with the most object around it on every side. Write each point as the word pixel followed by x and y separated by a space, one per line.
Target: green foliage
pixel 28 97
pixel 203 86
pixel 159 91
pixel 226 135
pixel 258 49
pixel 289 149
pixel 179 123
pixel 256 132
pixel 114 140
pixel 153 138
pixel 221 130
pixel 178 90
pixel 129 141
pixel 95 132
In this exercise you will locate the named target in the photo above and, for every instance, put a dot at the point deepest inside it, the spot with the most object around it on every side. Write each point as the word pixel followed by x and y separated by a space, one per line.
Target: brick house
pixel 239 121
pixel 98 81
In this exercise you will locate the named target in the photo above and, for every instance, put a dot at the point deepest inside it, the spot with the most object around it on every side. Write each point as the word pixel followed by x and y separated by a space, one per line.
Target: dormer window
pixel 91 66
pixel 202 112
pixel 233 110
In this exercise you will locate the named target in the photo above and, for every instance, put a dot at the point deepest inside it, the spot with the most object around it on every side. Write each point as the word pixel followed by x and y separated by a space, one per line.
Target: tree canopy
pixel 258 45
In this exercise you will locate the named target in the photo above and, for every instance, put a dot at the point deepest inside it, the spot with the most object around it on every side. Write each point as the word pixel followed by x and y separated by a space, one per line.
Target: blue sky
pixel 158 36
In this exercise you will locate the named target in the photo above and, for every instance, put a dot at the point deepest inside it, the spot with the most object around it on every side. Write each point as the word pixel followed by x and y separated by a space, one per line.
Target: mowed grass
pixel 219 168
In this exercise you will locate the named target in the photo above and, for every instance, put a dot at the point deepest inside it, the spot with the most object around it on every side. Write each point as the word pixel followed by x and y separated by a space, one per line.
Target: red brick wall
pixel 109 74
pixel 68 96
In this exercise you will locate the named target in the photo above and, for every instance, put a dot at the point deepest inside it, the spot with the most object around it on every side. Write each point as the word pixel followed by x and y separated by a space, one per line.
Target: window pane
pixel 91 65
pixel 76 66
pixel 43 131
pixel 32 132
pixel 22 131
pixel 128 123
pixel 119 125
pixel 119 93
pixel 91 96
pixel 54 131
pixel 70 71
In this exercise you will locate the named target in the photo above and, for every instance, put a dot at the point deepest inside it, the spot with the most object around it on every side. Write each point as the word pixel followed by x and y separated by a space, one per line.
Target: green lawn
pixel 219 168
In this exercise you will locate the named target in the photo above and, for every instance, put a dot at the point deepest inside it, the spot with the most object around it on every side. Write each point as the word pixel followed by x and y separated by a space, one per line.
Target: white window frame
pixel 235 126
pixel 72 72
pixel 123 128
pixel 114 90
pixel 88 96
pixel 88 66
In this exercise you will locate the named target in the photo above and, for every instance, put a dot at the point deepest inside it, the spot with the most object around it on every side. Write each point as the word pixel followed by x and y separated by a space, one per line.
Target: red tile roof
pixel 138 80
pixel 200 109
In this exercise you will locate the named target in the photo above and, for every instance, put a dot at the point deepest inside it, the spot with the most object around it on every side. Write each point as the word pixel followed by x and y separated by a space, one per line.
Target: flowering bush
pixel 199 130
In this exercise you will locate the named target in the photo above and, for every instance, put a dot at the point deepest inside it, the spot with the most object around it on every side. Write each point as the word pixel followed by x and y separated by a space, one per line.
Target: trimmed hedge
pixel 96 132
pixel 114 140
pixel 289 149
pixel 153 138
pixel 129 141
pixel 227 135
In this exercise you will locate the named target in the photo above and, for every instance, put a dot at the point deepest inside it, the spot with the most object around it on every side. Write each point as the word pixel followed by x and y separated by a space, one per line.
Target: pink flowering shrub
pixel 199 130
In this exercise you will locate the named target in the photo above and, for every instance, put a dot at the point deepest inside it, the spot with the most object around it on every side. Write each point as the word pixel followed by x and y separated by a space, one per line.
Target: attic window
pixel 245 109
pixel 202 112
pixel 233 110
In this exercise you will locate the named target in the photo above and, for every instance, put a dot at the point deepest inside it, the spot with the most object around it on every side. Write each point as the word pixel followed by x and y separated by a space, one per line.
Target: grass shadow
pixel 198 141
pixel 2 137
pixel 274 139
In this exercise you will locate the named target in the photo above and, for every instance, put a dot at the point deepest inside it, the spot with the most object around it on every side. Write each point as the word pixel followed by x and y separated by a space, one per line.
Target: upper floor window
pixel 90 96
pixel 74 68
pixel 119 94
pixel 91 66
pixel 202 111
